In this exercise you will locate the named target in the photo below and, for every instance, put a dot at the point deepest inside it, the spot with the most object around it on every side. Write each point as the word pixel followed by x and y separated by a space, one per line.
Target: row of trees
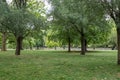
pixel 71 21
pixel 83 16
pixel 19 19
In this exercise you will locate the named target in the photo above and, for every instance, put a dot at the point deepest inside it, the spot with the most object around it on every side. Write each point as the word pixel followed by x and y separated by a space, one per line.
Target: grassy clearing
pixel 58 65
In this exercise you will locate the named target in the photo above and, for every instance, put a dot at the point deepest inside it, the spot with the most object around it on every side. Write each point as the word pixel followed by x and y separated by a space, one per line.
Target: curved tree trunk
pixel 18 45
pixel 4 38
pixel 118 42
pixel 83 47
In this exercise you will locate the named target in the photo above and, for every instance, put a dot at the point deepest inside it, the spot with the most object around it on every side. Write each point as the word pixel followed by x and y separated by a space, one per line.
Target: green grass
pixel 59 65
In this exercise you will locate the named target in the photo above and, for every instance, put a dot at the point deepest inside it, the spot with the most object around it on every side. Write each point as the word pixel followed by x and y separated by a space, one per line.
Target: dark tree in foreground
pixel 112 8
pixel 20 28
pixel 20 4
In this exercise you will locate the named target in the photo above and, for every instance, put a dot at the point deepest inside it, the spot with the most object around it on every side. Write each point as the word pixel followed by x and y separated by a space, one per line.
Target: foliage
pixel 52 44
pixel 21 22
pixel 112 8
pixel 73 15
pixel 61 32
pixel 4 10
pixel 28 42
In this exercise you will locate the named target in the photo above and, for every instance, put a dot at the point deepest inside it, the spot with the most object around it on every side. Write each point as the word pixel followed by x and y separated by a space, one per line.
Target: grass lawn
pixel 59 65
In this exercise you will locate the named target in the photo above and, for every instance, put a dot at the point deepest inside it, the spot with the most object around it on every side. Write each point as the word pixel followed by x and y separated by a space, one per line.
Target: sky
pixel 9 1
pixel 47 5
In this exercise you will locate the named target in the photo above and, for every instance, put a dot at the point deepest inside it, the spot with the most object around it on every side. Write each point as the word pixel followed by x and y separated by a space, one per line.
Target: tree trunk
pixel 118 43
pixel 21 47
pixel 55 47
pixel 18 45
pixel 30 44
pixel 114 46
pixel 69 44
pixel 4 38
pixel 37 47
pixel 83 47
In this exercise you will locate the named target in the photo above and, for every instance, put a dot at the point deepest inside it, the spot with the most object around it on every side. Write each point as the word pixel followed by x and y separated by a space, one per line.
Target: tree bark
pixel 18 45
pixel 55 47
pixel 69 44
pixel 4 38
pixel 21 47
pixel 118 44
pixel 83 47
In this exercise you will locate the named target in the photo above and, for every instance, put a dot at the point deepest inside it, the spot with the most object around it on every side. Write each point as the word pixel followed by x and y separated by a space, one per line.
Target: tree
pixel 61 35
pixel 20 26
pixel 80 15
pixel 62 32
pixel 22 21
pixel 112 8
pixel 69 12
pixel 4 11
pixel 4 38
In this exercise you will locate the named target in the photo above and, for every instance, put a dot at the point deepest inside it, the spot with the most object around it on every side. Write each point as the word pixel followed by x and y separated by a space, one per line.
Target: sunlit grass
pixel 59 65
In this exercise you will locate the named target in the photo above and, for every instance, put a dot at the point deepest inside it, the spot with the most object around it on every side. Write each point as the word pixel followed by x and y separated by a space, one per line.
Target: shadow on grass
pixel 88 51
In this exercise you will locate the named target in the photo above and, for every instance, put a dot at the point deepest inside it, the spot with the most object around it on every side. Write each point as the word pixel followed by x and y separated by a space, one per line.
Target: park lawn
pixel 59 65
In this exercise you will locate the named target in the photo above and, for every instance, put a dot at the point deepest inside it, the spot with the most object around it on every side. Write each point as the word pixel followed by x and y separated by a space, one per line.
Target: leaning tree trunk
pixel 4 38
pixel 69 44
pixel 18 45
pixel 83 47
pixel 118 42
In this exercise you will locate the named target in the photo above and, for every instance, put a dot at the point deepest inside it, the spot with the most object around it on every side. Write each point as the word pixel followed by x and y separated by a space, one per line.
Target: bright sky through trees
pixel 9 1
pixel 47 5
